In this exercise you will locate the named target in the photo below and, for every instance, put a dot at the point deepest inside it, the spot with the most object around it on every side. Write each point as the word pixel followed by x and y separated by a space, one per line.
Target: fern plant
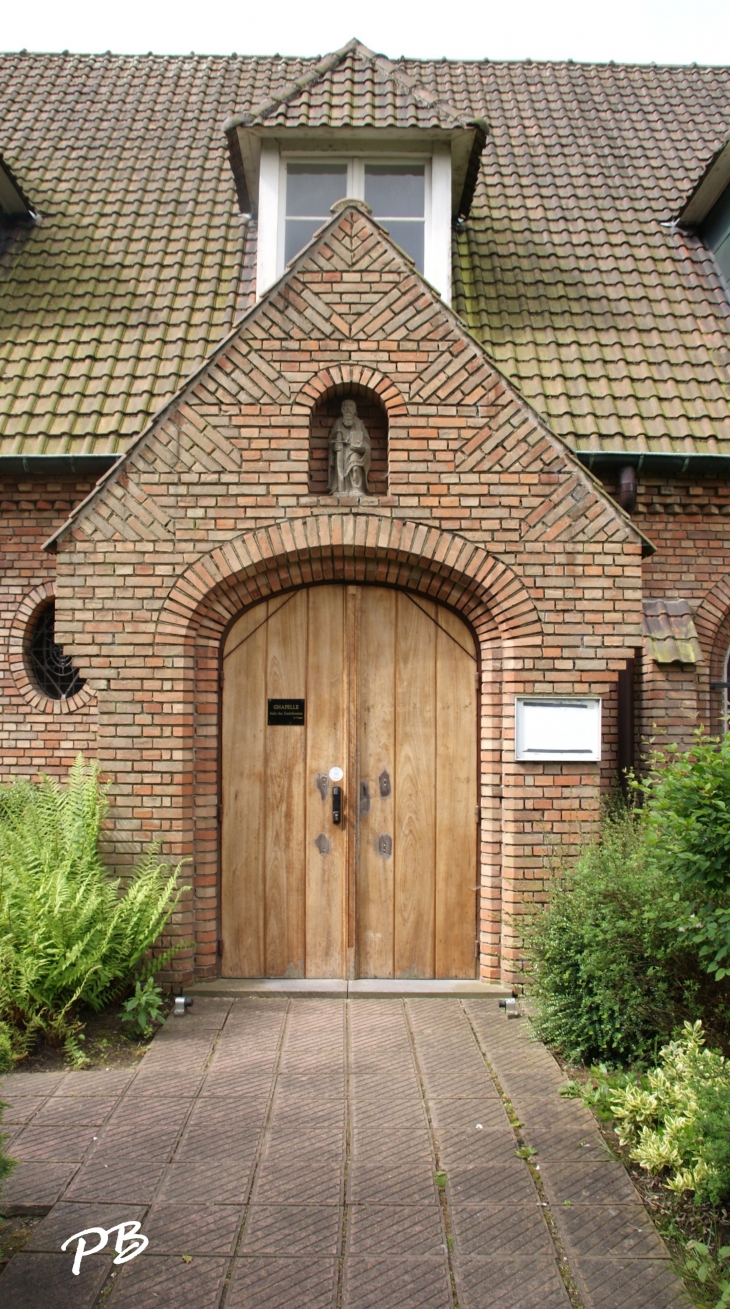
pixel 6 1164
pixel 70 934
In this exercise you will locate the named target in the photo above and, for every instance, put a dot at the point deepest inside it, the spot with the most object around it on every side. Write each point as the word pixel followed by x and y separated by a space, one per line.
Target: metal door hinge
pixel 476 948
pixel 220 947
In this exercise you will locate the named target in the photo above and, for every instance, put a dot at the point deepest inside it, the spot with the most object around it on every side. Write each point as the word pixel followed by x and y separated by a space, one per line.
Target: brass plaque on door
pixel 286 713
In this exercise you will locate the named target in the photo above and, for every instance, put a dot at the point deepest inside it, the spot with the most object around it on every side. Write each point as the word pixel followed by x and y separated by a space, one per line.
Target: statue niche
pixel 349 453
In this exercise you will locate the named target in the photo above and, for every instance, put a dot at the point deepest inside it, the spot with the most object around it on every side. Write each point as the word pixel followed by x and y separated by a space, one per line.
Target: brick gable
pixel 486 511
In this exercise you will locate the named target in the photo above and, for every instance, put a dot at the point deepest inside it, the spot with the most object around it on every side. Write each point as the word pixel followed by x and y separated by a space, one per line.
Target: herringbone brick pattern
pixel 397 1183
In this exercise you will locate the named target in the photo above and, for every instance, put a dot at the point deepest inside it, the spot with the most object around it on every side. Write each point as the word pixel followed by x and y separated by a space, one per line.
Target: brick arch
pixel 347 547
pixel 712 622
pixel 344 375
pixel 339 547
pixel 712 613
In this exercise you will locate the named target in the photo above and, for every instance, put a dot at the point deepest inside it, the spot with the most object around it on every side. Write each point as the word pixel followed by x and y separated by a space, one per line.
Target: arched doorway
pixel 380 684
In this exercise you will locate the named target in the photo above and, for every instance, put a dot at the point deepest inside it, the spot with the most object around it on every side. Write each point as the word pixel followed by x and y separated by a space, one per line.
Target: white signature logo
pixel 129 1243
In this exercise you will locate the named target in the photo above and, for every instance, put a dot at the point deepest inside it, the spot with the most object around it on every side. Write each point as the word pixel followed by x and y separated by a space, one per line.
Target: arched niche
pixel 372 412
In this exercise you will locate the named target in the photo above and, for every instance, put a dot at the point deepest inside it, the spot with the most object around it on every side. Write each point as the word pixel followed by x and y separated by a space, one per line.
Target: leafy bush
pixel 676 1118
pixel 6 1165
pixel 687 824
pixel 7 1054
pixel 142 1010
pixel 69 934
pixel 613 974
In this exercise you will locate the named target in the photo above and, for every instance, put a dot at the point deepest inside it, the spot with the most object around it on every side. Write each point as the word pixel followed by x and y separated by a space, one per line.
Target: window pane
pixel 311 189
pixel 409 237
pixel 298 232
pixel 395 190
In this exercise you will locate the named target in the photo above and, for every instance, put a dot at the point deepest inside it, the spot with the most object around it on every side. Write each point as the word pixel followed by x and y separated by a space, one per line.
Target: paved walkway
pixel 328 1154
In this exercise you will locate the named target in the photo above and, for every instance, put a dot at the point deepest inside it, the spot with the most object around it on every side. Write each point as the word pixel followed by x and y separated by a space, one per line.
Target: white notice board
pixel 555 728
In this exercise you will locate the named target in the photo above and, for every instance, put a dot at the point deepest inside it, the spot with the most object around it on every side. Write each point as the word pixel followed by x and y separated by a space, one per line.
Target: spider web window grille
pixel 52 670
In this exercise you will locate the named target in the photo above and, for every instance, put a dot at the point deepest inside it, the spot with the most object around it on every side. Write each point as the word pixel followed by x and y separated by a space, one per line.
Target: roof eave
pixel 55 464
pixel 708 189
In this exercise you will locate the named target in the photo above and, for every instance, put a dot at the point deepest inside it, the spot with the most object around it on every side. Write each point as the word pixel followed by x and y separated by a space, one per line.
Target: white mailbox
pixel 552 728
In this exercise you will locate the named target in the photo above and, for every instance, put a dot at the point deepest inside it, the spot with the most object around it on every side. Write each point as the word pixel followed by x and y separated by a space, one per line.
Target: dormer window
pixel 410 197
pixel 396 193
pixel 354 125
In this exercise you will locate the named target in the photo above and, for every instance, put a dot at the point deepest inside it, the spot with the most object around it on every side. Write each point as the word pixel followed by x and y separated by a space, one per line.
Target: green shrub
pixel 687 825
pixel 613 975
pixel 6 1165
pixel 676 1119
pixel 70 936
pixel 7 1053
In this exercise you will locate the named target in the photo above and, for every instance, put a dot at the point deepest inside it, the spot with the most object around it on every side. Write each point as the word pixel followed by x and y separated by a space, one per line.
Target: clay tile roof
pixel 670 632
pixel 354 87
pixel 613 321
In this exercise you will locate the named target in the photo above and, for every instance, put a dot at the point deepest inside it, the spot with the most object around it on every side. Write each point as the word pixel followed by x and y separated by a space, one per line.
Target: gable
pixel 353 308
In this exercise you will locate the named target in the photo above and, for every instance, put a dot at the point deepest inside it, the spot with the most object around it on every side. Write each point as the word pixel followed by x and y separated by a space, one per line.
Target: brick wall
pixel 688 520
pixel 36 734
pixel 485 512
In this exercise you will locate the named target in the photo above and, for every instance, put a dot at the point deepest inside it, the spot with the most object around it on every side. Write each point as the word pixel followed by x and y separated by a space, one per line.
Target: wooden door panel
pixel 286 677
pixel 243 828
pixel 325 873
pixel 415 786
pixel 375 871
pixel 456 828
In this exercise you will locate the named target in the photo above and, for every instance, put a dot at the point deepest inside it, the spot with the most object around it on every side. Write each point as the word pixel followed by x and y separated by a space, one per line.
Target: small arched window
pixel 48 667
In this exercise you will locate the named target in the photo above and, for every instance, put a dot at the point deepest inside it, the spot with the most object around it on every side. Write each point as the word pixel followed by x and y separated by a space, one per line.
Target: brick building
pixel 364 711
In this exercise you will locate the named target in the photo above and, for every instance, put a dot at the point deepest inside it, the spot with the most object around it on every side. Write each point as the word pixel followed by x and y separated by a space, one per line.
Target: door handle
pixel 337 804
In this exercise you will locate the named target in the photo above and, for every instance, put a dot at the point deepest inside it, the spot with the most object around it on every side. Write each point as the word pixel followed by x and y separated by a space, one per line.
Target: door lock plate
pixel 322 783
pixel 322 844
pixel 384 784
pixel 384 845
pixel 364 798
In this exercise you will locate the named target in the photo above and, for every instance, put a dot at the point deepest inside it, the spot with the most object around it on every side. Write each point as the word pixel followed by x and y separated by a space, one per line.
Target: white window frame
pixel 437 206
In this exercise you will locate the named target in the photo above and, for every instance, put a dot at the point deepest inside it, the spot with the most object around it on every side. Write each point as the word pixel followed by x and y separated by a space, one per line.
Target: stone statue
pixel 349 462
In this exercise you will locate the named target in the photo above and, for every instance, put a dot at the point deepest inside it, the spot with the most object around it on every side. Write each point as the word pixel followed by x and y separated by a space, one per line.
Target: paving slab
pixel 262 1282
pixel 193 1229
pixel 66 1219
pixel 304 1151
pixel 396 1283
pixel 44 1281
pixel 169 1281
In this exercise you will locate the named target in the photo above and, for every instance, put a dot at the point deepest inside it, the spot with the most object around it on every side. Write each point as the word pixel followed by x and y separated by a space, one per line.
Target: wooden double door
pixel 380 685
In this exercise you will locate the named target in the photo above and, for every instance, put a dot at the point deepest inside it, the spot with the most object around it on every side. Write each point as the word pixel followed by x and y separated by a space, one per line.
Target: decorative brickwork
pixel 36 732
pixel 211 511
